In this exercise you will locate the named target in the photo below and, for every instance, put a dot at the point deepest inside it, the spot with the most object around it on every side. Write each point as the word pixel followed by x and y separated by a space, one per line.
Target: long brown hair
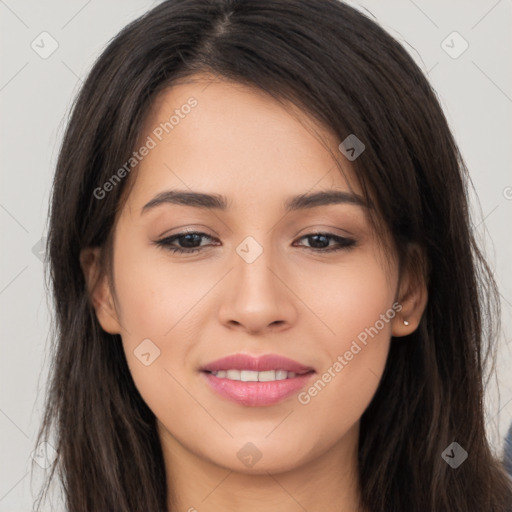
pixel 345 71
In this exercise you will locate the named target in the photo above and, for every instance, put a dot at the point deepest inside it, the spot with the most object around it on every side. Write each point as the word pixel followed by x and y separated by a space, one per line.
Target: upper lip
pixel 256 363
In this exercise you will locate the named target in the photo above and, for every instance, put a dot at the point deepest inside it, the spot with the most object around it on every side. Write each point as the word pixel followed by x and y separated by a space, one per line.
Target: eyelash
pixel 345 243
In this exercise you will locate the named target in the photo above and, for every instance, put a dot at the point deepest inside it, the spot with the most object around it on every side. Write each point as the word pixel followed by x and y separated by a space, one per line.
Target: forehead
pixel 213 135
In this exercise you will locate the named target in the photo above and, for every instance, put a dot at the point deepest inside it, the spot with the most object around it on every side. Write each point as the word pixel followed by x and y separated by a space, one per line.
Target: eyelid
pixel 195 229
pixel 186 230
pixel 324 228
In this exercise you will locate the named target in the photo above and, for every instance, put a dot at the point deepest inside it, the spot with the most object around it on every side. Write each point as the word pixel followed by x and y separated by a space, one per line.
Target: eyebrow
pixel 220 202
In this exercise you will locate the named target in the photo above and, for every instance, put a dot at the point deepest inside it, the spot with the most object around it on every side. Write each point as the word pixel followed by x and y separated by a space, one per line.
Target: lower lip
pixel 257 394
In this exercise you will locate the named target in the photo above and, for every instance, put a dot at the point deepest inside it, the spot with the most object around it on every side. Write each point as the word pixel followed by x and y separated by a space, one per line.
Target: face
pixel 249 273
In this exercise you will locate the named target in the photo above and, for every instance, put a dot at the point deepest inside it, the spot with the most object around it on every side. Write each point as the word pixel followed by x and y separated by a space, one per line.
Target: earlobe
pixel 98 289
pixel 413 296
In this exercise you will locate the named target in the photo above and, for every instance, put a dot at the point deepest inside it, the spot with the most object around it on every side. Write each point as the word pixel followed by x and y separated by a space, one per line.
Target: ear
pixel 98 288
pixel 412 293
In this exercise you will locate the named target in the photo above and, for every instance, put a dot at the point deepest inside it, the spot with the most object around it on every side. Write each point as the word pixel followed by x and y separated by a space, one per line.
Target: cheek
pixel 348 298
pixel 153 294
pixel 355 304
pixel 150 303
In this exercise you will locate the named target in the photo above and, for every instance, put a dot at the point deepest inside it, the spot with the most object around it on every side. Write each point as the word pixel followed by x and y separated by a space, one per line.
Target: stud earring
pixel 406 322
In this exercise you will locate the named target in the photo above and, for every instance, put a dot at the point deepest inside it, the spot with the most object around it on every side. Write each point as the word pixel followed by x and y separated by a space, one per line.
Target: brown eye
pixel 188 241
pixel 319 242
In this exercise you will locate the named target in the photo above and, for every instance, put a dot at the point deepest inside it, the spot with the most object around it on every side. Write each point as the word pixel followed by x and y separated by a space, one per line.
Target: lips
pixel 257 364
pixel 238 378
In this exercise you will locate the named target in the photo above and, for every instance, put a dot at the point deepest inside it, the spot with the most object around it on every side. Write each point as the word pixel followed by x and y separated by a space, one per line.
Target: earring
pixel 406 322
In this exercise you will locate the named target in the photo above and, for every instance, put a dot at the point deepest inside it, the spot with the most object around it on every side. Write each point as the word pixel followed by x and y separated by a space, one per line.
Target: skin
pixel 305 305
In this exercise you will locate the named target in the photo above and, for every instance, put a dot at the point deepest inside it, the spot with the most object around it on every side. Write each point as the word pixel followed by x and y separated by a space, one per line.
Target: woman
pixel 268 295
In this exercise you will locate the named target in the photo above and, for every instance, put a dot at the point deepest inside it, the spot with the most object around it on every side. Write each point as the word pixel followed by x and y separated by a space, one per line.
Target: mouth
pixel 256 381
pixel 254 376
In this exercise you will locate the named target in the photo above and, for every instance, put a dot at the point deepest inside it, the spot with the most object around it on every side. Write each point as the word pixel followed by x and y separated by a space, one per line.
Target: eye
pixel 188 239
pixel 319 242
pixel 323 239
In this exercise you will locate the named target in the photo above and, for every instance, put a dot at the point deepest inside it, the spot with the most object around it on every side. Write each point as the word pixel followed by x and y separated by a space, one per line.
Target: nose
pixel 258 296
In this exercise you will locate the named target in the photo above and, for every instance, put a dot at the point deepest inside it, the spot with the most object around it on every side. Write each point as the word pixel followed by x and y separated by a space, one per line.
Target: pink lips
pixel 257 393
pixel 258 364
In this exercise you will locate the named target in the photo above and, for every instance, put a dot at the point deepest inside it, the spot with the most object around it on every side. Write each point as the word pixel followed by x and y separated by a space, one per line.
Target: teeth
pixel 253 376
pixel 281 374
pixel 267 376
pixel 248 376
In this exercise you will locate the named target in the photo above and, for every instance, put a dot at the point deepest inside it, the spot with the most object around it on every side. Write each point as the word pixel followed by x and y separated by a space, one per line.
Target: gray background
pixel 475 89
